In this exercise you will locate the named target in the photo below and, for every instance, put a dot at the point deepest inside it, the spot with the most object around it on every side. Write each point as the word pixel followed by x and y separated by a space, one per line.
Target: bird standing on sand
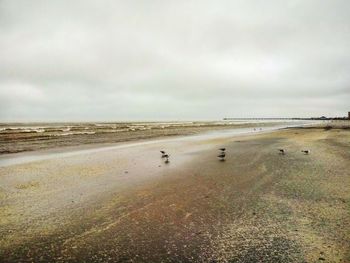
pixel 222 156
pixel 306 151
pixel 282 151
pixel 166 156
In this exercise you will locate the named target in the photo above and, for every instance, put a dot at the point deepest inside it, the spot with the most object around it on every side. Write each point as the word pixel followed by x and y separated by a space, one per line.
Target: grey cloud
pixel 134 60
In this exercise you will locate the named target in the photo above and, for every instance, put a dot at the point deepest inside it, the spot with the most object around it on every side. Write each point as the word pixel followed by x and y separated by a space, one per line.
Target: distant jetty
pixel 324 118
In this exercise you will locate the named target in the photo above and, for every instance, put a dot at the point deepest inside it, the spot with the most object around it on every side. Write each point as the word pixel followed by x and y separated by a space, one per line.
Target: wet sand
pixel 124 204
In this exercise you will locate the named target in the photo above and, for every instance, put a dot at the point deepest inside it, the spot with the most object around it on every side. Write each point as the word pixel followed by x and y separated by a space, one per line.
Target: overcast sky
pixel 173 60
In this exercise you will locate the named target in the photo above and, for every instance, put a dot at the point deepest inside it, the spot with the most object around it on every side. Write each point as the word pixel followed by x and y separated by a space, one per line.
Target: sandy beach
pixel 122 203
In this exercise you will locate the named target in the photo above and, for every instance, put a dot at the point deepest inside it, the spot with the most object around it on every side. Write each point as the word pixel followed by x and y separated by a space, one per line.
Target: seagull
pixel 166 156
pixel 222 149
pixel 306 151
pixel 221 156
pixel 281 151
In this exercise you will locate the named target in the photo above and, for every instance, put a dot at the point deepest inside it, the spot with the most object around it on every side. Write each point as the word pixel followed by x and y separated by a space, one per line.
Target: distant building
pixel 349 115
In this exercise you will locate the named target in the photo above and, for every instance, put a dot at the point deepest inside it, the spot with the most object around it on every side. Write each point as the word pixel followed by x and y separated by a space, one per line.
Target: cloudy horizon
pixel 173 60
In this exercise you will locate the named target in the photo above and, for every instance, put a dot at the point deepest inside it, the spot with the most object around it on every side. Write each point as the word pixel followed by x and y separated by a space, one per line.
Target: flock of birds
pixel 222 154
pixel 283 151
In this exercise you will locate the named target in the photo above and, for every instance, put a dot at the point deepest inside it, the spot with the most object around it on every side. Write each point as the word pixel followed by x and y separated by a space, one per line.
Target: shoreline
pixel 13 141
pixel 67 151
